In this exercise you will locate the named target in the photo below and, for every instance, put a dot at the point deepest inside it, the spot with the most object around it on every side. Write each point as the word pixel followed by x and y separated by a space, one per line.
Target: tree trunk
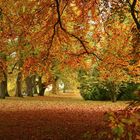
pixel 3 76
pixel 34 84
pixel 2 90
pixel 29 86
pixel 113 91
pixel 66 87
pixel 41 86
pixel 5 85
pixel 6 90
pixel 113 97
pixel 42 90
pixel 18 85
pixel 64 90
pixel 55 88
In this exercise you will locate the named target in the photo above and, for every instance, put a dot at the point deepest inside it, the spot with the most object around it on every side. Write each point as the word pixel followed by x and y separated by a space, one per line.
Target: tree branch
pixel 70 34
pixel 132 7
pixel 13 68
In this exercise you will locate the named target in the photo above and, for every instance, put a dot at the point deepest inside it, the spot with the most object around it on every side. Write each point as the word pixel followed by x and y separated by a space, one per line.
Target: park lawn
pixel 62 117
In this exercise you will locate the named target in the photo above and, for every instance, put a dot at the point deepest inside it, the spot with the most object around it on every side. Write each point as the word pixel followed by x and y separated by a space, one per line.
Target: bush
pixel 127 92
pixel 93 89
pixel 95 92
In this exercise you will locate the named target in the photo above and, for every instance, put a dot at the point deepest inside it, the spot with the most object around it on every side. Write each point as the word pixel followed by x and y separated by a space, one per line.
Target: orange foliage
pixel 65 33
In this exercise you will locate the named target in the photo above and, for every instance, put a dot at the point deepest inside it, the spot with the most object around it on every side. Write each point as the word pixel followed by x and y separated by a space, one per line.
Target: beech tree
pixel 44 34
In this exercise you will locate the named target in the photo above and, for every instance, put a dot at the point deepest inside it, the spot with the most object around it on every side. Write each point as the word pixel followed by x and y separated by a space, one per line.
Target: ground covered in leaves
pixel 64 117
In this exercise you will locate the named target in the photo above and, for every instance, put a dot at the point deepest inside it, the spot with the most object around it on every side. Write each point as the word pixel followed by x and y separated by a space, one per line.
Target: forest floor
pixel 57 117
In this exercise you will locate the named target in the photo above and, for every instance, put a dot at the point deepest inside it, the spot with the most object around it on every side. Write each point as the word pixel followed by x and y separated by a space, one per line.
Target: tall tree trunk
pixel 55 88
pixel 18 85
pixel 41 86
pixel 5 85
pixel 34 84
pixel 3 74
pixel 42 90
pixel 29 86
pixel 2 90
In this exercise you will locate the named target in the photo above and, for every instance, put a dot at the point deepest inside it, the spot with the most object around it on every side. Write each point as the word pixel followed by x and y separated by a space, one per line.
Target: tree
pixel 2 80
pixel 46 34
pixel 3 77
